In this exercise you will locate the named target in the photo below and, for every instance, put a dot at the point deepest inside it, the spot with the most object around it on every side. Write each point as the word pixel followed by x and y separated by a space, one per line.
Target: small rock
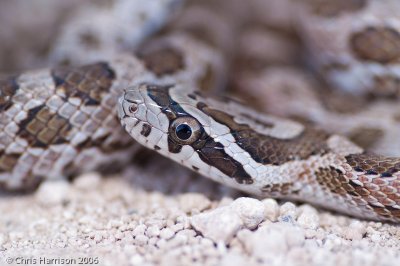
pixel 355 231
pixel 223 223
pixel 52 192
pixel 250 210
pixel 194 201
pixel 234 259
pixel 308 218
pixel 141 240
pixel 87 181
pixel 288 212
pixel 136 260
pixel 153 231
pixel 271 209
pixel 139 230
pixel 166 233
pixel 220 224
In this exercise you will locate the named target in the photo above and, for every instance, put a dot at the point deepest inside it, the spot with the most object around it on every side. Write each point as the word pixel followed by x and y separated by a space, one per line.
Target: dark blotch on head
pixel 146 129
pixel 266 149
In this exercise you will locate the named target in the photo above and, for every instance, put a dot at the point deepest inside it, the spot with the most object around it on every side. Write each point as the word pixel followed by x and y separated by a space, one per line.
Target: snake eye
pixel 185 130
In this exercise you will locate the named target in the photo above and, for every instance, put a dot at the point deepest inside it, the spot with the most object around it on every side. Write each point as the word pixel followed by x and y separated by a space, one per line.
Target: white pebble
pixel 52 192
pixel 166 233
pixel 87 181
pixel 354 231
pixel 193 202
pixel 220 224
pixel 139 230
pixel 141 240
pixel 288 212
pixel 153 231
pixel 250 210
pixel 308 218
pixel 271 209
pixel 136 260
pixel 223 223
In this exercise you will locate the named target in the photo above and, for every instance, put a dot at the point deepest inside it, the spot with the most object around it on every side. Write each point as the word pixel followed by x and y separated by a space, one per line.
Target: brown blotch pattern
pixel 8 88
pixel 42 127
pixel 374 164
pixel 269 150
pixel 162 60
pixel 88 83
pixel 329 8
pixel 366 137
pixel 367 196
pixel 107 143
pixel 341 103
pixel 378 44
pixel 386 86
pixel 8 161
pixel 334 180
pixel 280 189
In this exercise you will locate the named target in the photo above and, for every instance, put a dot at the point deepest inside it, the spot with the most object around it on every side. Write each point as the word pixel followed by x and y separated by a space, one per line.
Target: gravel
pixel 142 217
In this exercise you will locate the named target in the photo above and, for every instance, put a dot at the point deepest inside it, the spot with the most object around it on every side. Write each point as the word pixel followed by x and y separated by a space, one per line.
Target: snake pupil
pixel 183 131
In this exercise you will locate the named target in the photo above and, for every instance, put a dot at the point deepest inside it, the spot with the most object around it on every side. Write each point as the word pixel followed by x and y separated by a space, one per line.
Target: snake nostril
pixel 133 108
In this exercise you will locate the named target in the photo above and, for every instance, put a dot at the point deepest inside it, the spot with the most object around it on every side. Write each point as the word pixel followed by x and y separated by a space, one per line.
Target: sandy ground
pixel 165 216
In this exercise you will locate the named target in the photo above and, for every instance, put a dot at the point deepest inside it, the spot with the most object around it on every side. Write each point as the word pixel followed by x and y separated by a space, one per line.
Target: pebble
pixel 222 223
pixel 308 218
pixel 153 231
pixel 167 233
pixel 288 212
pixel 355 231
pixel 250 211
pixel 52 192
pixel 271 209
pixel 87 181
pixel 194 202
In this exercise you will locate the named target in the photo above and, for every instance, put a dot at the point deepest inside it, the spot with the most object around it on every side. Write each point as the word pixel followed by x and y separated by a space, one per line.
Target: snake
pixel 62 121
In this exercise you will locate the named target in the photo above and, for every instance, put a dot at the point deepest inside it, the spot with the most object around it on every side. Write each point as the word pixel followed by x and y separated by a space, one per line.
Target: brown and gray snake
pixel 65 120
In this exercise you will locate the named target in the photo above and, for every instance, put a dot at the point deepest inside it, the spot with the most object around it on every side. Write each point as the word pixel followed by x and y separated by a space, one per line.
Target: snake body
pixel 63 121
pixel 262 154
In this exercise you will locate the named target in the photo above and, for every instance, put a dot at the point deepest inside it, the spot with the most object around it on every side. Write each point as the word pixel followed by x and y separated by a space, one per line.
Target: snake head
pixel 172 120
pixel 153 118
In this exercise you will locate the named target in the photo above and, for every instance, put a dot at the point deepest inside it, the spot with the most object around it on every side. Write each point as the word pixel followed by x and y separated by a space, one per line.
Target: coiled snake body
pixel 62 121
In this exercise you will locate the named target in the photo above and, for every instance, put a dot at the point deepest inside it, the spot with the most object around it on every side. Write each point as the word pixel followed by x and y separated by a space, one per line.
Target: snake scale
pixel 62 121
